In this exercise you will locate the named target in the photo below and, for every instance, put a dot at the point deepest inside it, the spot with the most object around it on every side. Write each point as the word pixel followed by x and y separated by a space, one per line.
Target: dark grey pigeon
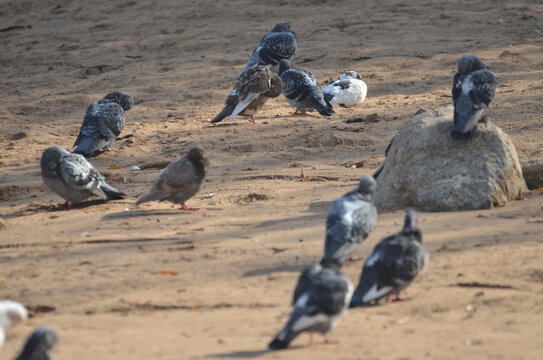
pixel 280 43
pixel 473 90
pixel 302 89
pixel 394 264
pixel 319 306
pixel 253 89
pixel 74 178
pixel 380 168
pixel 350 220
pixel 103 122
pixel 38 344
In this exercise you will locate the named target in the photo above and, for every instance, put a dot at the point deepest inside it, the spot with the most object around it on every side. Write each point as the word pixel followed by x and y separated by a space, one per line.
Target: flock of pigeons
pixel 322 293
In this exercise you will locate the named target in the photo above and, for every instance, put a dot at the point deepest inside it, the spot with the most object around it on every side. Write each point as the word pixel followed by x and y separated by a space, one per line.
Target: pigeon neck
pixel 330 264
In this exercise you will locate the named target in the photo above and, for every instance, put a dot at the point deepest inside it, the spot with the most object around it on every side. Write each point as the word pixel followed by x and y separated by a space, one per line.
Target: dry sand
pixel 93 273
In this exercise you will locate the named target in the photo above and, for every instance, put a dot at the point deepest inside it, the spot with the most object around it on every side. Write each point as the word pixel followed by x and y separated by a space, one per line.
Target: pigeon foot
pixel 65 205
pixel 187 208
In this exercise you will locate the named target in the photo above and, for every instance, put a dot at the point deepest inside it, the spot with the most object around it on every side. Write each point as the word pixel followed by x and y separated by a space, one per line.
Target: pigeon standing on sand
pixel 253 89
pixel 103 122
pixel 346 91
pixel 473 90
pixel 319 306
pixel 350 220
pixel 11 312
pixel 394 264
pixel 180 180
pixel 302 89
pixel 280 43
pixel 38 344
pixel 73 177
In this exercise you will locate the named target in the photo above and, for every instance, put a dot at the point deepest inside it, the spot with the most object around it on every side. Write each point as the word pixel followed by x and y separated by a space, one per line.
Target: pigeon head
pixel 350 74
pixel 37 345
pixel 196 154
pixel 125 100
pixel 52 155
pixel 367 186
pixel 469 63
pixel 281 27
pixel 284 65
pixel 411 221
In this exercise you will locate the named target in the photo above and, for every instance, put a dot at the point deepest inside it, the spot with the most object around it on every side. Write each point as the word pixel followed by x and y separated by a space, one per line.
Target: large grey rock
pixel 425 168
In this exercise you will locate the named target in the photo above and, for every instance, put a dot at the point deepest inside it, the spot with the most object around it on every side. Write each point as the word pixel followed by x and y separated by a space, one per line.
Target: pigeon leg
pixel 187 208
pixel 65 205
pixel 483 119
pixel 396 297
pixel 353 258
pixel 329 340
pixel 253 118
pixel 326 340
pixel 109 149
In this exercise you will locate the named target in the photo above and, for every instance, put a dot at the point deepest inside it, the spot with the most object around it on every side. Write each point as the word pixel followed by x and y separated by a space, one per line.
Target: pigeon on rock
pixel 253 89
pixel 103 122
pixel 180 180
pixel 11 312
pixel 73 177
pixel 394 264
pixel 319 306
pixel 38 344
pixel 350 220
pixel 473 90
pixel 280 43
pixel 302 89
pixel 346 91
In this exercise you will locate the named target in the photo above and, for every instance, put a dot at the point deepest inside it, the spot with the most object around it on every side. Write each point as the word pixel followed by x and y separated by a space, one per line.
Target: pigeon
pixel 394 264
pixel 378 171
pixel 180 180
pixel 346 91
pixel 103 122
pixel 253 89
pixel 473 90
pixel 38 344
pixel 73 177
pixel 350 220
pixel 11 312
pixel 320 305
pixel 280 43
pixel 302 89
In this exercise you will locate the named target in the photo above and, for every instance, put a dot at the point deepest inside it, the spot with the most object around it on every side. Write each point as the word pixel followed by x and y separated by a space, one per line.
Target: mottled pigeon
pixel 180 180
pixel 38 344
pixel 73 177
pixel 280 43
pixel 346 91
pixel 323 300
pixel 253 89
pixel 302 89
pixel 103 122
pixel 350 220
pixel 11 312
pixel 473 90
pixel 394 264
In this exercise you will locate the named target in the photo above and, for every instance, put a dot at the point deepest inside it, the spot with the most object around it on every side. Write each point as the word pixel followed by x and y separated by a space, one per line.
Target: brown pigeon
pixel 180 180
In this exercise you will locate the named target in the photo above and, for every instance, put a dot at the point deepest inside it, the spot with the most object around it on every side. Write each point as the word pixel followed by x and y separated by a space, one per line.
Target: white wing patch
pixel 373 259
pixel 374 293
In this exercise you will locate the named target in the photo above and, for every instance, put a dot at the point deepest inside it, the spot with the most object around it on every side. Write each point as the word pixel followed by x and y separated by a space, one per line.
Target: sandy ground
pixel 153 282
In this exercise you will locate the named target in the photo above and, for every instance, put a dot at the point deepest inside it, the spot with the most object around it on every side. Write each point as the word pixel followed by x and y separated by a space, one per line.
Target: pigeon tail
pixel 84 143
pixel 328 97
pixel 325 110
pixel 111 192
pixel 231 102
pixel 278 344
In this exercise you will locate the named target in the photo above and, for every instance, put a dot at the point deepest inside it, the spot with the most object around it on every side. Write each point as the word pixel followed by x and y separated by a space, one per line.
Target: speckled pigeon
pixel 350 220
pixel 323 300
pixel 346 91
pixel 11 312
pixel 38 344
pixel 73 177
pixel 394 264
pixel 473 90
pixel 253 89
pixel 302 89
pixel 103 122
pixel 180 180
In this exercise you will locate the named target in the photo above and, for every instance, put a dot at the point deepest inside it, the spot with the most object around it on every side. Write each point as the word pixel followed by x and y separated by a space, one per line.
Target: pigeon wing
pixel 80 175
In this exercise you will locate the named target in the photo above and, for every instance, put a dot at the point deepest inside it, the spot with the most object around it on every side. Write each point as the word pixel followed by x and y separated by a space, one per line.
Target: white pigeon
pixel 346 91
pixel 11 312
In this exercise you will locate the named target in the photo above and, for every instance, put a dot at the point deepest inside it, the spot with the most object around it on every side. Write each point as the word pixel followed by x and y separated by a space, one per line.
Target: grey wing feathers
pixel 304 281
pixel 79 174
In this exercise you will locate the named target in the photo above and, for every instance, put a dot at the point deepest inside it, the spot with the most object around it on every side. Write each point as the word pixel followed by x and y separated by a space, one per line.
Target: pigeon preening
pixel 378 171
pixel 321 303
pixel 280 43
pixel 11 312
pixel 350 220
pixel 253 89
pixel 346 91
pixel 394 264
pixel 103 122
pixel 180 180
pixel 473 90
pixel 38 344
pixel 73 177
pixel 302 89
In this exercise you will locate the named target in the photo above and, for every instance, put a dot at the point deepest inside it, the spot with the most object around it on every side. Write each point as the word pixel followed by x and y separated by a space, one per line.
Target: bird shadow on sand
pixel 246 354
pixel 138 213
pixel 282 268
